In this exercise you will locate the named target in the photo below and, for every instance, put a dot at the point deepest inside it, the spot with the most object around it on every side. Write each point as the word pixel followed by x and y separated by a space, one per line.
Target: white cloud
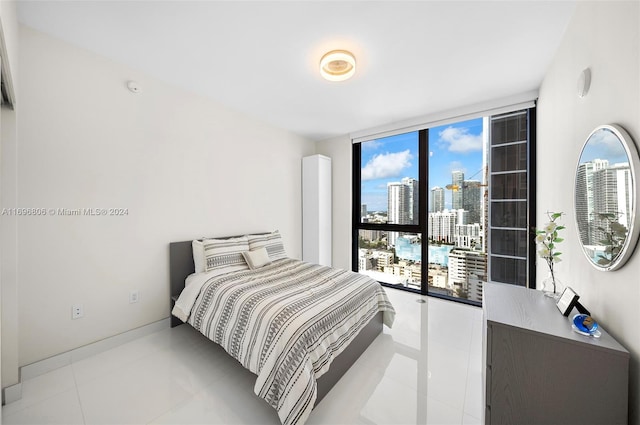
pixel 371 144
pixel 386 165
pixel 608 143
pixel 460 140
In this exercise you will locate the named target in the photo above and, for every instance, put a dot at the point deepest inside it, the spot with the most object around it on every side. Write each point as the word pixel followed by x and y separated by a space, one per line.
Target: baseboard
pixel 47 365
pixel 12 393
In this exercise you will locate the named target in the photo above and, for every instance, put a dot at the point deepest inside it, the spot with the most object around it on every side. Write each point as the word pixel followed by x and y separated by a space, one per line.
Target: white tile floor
pixel 426 370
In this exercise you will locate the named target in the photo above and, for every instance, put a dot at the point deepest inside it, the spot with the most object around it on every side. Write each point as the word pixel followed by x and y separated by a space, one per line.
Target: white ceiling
pixel 261 57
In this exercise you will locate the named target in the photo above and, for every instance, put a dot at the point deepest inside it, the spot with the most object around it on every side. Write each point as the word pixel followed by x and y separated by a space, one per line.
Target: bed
pixel 296 353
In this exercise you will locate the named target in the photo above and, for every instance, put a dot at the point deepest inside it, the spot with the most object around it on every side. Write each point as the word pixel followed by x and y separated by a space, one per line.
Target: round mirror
pixel 606 195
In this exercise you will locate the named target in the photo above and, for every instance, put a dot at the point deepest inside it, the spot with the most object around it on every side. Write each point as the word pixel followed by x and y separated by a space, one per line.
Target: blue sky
pixel 451 147
pixel 604 144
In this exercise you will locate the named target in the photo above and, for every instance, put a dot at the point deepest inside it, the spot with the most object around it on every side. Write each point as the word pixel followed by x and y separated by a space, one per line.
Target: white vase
pixel 551 286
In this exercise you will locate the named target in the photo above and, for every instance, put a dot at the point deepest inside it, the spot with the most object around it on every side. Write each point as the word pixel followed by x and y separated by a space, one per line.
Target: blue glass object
pixel 585 323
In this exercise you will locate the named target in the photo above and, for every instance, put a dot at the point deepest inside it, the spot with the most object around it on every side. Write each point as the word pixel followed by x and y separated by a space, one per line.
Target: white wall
pixel 184 167
pixel 8 233
pixel 8 284
pixel 9 28
pixel 603 36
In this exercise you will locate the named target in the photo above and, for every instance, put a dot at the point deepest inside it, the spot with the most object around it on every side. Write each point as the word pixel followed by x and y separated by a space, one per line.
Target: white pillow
pixel 198 256
pixel 225 255
pixel 256 259
pixel 271 241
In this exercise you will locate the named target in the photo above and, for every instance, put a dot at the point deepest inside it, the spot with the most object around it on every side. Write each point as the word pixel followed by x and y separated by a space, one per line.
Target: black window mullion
pixel 420 228
pixel 532 198
pixel 407 228
pixel 423 173
pixel 357 201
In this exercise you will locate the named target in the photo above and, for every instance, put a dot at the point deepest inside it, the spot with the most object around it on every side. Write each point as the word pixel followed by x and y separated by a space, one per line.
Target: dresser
pixel 537 370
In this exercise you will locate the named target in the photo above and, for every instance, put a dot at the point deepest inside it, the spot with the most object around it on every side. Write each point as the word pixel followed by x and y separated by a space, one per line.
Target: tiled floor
pixel 426 370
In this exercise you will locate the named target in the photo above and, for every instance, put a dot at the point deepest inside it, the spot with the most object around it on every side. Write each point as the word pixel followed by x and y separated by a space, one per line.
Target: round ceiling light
pixel 338 65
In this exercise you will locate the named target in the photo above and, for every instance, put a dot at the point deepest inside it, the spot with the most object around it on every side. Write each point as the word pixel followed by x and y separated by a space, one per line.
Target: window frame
pixel 357 224
pixel 422 227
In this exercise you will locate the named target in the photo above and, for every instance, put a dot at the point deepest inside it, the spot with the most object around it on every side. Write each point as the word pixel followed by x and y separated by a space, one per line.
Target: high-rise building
pixel 457 189
pixel 462 216
pixel 610 189
pixel 401 198
pixel 437 199
pixel 398 203
pixel 584 198
pixel 363 212
pixel 467 273
pixel 604 202
pixel 624 188
pixel 472 199
pixel 442 224
pixel 414 204
pixel 468 236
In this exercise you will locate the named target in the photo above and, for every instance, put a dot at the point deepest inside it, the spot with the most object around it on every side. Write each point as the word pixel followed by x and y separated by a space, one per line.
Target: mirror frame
pixel 631 240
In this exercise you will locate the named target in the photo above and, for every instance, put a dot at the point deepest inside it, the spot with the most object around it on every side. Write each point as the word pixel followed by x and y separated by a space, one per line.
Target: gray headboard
pixel 180 265
pixel 181 262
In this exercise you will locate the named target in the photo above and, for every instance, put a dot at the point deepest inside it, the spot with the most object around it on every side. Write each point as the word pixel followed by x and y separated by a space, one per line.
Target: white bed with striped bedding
pixel 285 322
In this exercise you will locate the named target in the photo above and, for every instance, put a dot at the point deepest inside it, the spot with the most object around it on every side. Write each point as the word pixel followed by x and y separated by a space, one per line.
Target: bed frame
pixel 181 265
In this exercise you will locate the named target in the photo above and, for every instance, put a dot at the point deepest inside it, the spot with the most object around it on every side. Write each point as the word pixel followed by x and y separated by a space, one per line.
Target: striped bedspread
pixel 286 322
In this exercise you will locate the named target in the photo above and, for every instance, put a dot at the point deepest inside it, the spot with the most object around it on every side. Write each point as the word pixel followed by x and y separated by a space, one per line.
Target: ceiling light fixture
pixel 338 65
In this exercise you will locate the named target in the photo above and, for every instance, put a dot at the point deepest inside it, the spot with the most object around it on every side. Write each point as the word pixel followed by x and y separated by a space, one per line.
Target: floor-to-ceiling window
pixel 389 219
pixel 445 208
pixel 457 265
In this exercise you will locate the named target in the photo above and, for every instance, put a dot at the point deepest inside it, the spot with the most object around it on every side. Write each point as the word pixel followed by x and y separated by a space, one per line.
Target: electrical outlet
pixel 134 296
pixel 77 311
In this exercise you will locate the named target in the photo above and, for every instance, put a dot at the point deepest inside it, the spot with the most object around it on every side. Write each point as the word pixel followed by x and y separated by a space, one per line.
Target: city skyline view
pixel 390 195
pixel 458 243
pixel 452 147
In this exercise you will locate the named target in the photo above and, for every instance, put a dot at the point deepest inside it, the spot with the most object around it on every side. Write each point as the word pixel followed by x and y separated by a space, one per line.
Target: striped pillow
pixel 197 247
pixel 225 255
pixel 271 241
